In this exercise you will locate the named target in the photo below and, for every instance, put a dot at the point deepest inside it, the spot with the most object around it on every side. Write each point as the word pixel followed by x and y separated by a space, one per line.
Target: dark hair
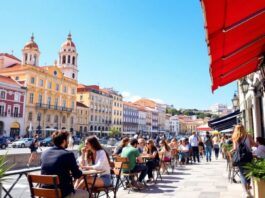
pixel 164 142
pixel 93 141
pixel 261 140
pixel 124 141
pixel 59 136
pixel 133 141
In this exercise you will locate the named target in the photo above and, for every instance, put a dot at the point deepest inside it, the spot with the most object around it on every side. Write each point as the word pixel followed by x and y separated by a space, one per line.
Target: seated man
pixel 132 153
pixel 58 161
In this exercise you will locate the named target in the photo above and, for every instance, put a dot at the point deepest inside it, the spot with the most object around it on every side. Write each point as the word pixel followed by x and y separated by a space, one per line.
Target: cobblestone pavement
pixel 204 180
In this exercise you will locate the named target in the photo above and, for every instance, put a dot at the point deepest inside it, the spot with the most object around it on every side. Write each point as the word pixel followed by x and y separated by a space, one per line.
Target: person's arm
pixel 252 142
pixel 73 166
pixel 101 161
pixel 234 147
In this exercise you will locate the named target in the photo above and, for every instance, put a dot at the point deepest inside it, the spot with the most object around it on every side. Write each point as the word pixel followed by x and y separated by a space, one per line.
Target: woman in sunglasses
pixel 154 159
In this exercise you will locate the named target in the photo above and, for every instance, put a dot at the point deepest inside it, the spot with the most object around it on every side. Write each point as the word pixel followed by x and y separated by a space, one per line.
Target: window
pixel 40 99
pixel 39 117
pixel 91 118
pixel 69 59
pixel 64 103
pixel 32 80
pixel 56 101
pixel 81 97
pixel 73 91
pixel 17 78
pixel 30 116
pixel 2 110
pixel 63 119
pixel 73 60
pixel 72 120
pixel 31 98
pixel 17 97
pixel 56 119
pixel 49 101
pixel 64 60
pixel 41 83
pixel 73 105
pixel 55 73
pixel 48 118
pixel 57 87
pixel 3 95
pixel 49 85
pixel 73 75
pixel 64 89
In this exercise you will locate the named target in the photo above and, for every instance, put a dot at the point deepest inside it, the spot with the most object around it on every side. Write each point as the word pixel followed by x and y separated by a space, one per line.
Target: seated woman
pixel 154 159
pixel 165 154
pixel 184 152
pixel 260 150
pixel 100 161
pixel 124 142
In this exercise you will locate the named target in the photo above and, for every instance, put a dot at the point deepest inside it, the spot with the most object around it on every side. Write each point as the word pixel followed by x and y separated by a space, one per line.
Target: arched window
pixel 95 128
pixel 85 129
pixel 69 59
pixel 73 60
pixel 35 60
pixel 64 60
pixel 30 116
pixel 26 57
pixel 63 119
pixel 81 129
pixel 99 128
pixel 56 119
pixel 91 128
pixel 73 75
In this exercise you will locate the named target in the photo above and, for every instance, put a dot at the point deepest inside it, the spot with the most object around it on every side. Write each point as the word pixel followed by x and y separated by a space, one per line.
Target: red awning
pixel 235 38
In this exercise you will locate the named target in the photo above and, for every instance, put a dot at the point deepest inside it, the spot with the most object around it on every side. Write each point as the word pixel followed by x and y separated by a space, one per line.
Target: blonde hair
pixel 239 133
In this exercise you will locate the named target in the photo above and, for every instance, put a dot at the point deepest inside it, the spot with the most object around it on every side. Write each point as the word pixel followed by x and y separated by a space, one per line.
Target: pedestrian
pixel 33 150
pixel 124 142
pixel 70 141
pixel 208 146
pixel 242 139
pixel 216 146
pixel 194 142
pixel 260 150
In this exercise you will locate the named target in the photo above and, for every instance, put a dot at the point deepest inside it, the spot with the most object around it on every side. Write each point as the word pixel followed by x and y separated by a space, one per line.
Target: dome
pixel 31 44
pixel 68 42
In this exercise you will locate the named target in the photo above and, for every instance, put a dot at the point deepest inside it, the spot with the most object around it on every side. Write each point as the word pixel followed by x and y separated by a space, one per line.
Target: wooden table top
pixel 92 172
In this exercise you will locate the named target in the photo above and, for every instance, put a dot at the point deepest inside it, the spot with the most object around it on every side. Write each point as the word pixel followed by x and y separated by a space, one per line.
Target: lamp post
pixel 244 86
pixel 235 101
pixel 39 118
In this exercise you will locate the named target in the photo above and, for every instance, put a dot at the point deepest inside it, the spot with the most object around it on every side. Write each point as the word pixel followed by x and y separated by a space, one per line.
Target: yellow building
pixel 100 107
pixel 82 120
pixel 51 95
pixel 117 109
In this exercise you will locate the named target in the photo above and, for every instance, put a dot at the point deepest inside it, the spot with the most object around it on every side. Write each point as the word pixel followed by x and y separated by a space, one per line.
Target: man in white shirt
pixel 194 141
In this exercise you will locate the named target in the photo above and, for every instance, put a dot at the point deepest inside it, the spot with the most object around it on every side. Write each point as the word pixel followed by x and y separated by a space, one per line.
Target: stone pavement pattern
pixel 204 180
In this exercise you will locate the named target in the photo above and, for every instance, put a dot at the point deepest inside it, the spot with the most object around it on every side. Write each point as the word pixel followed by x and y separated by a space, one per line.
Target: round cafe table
pixel 91 173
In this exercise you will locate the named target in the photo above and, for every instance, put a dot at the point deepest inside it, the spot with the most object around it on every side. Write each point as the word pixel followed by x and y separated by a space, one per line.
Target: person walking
pixel 33 150
pixel 194 142
pixel 70 141
pixel 208 147
pixel 242 140
pixel 216 146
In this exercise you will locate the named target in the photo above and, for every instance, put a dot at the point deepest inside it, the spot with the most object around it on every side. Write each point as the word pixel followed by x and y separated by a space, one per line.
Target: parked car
pixel 22 143
pixel 46 142
pixel 3 143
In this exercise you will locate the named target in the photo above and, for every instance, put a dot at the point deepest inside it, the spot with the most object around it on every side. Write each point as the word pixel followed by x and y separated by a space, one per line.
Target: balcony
pixel 54 107
pixel 16 115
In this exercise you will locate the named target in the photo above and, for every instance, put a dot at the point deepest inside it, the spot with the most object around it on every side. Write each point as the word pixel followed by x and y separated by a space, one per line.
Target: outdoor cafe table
pixel 91 173
pixel 20 173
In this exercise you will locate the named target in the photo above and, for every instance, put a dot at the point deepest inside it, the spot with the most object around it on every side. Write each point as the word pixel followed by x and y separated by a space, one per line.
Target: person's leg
pixel 207 154
pixel 244 181
pixel 193 153
pixel 217 153
pixel 141 168
pixel 197 153
pixel 150 167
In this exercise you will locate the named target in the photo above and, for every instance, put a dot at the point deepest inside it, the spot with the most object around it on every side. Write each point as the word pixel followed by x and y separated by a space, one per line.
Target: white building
pixel 220 109
pixel 174 125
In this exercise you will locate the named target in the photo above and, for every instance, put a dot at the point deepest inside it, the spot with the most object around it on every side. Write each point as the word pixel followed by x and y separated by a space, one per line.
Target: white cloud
pixel 127 96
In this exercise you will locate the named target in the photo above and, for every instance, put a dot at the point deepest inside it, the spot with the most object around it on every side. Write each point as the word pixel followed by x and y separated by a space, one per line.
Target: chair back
pixel 125 162
pixel 117 172
pixel 38 191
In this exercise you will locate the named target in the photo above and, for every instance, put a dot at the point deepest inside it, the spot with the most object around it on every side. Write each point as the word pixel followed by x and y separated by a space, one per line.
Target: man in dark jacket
pixel 58 161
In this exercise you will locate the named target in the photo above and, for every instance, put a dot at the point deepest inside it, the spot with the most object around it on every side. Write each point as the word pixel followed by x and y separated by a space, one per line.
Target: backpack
pixel 242 154
pixel 208 142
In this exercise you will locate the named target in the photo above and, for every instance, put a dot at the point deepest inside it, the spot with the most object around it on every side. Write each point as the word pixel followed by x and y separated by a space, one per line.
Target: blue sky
pixel 142 48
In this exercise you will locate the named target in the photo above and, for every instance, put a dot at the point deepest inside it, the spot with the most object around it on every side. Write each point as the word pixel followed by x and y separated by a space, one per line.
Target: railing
pixel 16 115
pixel 19 173
pixel 3 114
pixel 55 107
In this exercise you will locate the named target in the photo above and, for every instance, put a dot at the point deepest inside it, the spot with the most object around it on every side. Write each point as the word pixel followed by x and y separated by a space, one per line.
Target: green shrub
pixel 256 169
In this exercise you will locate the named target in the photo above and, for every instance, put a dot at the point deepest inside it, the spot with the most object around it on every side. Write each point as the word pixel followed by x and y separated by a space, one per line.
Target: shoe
pixel 140 185
pixel 150 180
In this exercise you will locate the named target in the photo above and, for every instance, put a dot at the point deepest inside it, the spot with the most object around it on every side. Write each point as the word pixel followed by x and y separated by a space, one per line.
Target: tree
pixel 114 132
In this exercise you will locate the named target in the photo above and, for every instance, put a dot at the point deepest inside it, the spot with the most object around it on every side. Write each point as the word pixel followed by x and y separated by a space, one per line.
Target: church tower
pixel 31 53
pixel 68 58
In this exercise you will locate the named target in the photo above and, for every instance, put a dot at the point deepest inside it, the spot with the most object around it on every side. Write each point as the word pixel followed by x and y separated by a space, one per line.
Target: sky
pixel 142 48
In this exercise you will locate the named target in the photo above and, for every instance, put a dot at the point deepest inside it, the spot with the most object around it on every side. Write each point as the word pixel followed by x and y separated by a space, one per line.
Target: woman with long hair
pixel 154 159
pixel 165 153
pixel 240 136
pixel 124 142
pixel 100 161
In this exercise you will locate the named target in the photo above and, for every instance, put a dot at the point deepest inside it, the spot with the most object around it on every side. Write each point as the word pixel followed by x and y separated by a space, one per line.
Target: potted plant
pixel 256 171
pixel 4 167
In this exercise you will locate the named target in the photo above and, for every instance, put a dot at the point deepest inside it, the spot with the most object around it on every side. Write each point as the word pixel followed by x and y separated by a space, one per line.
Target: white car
pixel 22 143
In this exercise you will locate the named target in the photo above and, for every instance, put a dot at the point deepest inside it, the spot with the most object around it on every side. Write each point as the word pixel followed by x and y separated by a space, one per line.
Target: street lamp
pixel 235 101
pixel 39 118
pixel 244 86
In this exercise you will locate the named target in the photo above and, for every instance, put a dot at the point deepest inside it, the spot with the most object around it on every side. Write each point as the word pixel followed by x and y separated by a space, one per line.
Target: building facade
pixel 117 109
pixel 100 107
pixel 130 117
pixel 51 96
pixel 12 107
pixel 174 125
pixel 82 120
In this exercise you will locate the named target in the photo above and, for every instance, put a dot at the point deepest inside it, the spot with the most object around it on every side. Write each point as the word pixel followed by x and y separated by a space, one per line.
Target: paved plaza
pixel 204 180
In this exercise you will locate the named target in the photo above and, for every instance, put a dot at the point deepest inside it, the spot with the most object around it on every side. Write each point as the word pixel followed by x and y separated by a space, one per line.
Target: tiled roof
pixel 9 56
pixel 8 80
